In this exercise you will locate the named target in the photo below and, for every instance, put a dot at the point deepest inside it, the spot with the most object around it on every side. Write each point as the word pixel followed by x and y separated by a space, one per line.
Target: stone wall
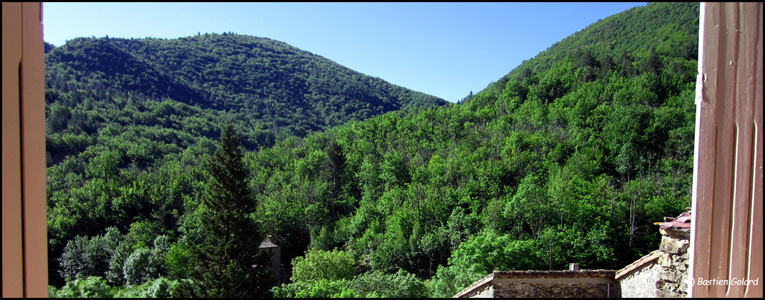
pixel 638 279
pixel 673 279
pixel 663 273
pixel 483 288
pixel 556 284
pixel 488 292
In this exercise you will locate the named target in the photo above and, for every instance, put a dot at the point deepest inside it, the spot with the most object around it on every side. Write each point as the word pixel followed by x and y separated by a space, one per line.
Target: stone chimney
pixel 573 267
pixel 675 241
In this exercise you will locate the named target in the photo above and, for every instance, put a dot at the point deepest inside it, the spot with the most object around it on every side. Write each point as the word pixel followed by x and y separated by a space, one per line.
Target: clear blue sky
pixel 443 49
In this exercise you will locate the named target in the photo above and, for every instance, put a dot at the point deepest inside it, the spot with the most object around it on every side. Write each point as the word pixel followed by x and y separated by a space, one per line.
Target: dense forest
pixel 272 90
pixel 570 157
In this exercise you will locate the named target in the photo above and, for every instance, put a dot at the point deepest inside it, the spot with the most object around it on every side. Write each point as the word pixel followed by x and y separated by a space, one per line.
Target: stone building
pixel 545 284
pixel 662 273
pixel 269 246
pixel 280 273
pixel 638 279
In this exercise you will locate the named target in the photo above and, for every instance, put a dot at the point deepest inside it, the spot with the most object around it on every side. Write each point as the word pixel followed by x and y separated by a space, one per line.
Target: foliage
pixel 89 256
pixel 177 260
pixel 571 163
pixel 480 256
pixel 97 287
pixel 116 274
pixel 319 264
pixel 90 287
pixel 226 259
pixel 322 288
pixel 136 266
pixel 146 264
pixel 571 157
pixel 157 288
pixel 375 284
pixel 268 85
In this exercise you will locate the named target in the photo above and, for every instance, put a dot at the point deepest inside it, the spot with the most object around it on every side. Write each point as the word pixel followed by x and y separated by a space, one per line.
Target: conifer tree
pixel 226 260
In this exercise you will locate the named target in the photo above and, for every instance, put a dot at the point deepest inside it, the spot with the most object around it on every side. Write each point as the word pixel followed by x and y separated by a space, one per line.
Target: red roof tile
pixel 682 222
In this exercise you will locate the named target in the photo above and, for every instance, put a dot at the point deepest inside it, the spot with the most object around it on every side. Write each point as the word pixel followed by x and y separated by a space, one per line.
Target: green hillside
pixel 271 89
pixel 571 162
pixel 119 111
pixel 602 47
pixel 569 158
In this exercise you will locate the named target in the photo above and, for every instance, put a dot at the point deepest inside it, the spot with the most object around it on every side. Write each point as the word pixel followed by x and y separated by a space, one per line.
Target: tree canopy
pixel 226 259
pixel 570 157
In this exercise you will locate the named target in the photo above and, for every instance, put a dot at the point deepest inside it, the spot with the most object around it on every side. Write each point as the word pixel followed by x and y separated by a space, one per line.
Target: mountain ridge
pixel 597 40
pixel 571 157
pixel 253 76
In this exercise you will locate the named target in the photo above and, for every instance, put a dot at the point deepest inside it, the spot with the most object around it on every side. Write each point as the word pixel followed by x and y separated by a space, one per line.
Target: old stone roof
pixel 268 243
pixel 478 285
pixel 648 258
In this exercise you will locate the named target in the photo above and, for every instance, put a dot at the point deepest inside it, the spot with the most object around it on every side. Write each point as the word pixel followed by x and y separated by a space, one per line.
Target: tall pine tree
pixel 227 263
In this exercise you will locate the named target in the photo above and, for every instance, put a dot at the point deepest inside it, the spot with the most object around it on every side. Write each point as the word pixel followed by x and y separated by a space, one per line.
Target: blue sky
pixel 443 49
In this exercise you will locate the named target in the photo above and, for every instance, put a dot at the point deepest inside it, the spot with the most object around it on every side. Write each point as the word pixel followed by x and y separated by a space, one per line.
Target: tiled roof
pixel 682 222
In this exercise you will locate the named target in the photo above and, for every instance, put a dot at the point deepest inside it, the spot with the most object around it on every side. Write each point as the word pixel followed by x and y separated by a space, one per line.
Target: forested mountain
pixel 272 90
pixel 570 161
pixel 617 43
pixel 569 158
pixel 119 111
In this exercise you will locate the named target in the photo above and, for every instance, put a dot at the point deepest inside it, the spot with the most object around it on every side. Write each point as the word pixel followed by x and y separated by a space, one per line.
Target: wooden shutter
pixel 727 188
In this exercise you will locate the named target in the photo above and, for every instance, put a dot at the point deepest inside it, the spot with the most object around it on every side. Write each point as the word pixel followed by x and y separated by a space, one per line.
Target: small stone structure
pixel 675 241
pixel 638 279
pixel 280 273
pixel 545 284
pixel 662 273
pixel 269 246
